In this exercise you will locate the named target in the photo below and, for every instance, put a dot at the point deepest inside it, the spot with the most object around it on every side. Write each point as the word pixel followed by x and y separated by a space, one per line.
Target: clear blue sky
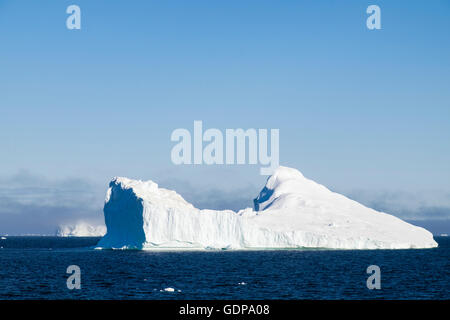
pixel 366 113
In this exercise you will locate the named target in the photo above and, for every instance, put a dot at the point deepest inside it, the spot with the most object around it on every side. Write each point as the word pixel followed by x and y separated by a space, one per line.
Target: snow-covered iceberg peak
pixel 291 211
pixel 283 186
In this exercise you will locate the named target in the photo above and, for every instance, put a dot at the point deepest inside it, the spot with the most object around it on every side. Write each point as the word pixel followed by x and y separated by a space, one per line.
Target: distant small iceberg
pixel 81 229
pixel 169 290
pixel 3 238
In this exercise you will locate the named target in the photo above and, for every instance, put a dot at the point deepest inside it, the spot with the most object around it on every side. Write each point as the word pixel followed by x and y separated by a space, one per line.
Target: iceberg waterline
pixel 291 211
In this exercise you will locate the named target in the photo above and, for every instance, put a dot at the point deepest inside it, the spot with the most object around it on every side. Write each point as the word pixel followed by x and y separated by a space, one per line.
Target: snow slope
pixel 81 229
pixel 290 212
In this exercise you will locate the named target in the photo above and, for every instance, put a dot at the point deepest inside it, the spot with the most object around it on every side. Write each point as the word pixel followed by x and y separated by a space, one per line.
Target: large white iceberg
pixel 290 212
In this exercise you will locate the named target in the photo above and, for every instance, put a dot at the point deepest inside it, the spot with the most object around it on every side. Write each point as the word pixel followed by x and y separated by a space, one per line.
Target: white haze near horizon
pixel 34 205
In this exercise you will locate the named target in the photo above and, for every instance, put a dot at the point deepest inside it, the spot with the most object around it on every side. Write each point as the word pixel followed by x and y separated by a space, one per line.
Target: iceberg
pixel 291 211
pixel 81 229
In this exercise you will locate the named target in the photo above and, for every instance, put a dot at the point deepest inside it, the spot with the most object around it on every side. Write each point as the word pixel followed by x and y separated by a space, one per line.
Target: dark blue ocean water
pixel 35 268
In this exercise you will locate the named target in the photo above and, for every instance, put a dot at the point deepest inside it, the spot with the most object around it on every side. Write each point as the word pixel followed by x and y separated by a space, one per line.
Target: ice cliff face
pixel 290 212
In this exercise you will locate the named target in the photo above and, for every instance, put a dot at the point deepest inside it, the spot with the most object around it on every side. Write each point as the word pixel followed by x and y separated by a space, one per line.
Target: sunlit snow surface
pixel 290 212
